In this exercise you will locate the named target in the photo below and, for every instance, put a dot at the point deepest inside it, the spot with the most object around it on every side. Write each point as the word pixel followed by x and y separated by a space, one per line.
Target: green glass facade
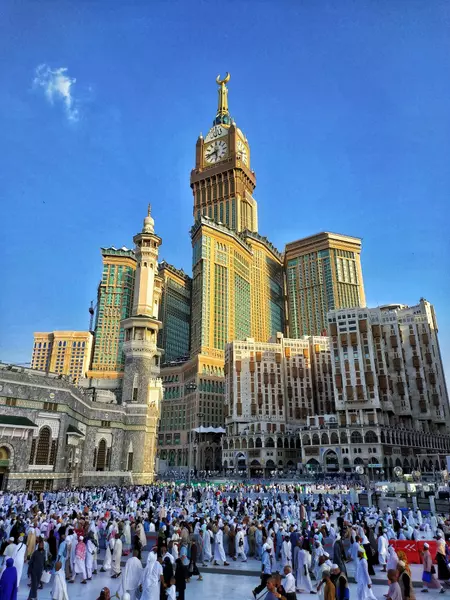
pixel 174 313
pixel 114 303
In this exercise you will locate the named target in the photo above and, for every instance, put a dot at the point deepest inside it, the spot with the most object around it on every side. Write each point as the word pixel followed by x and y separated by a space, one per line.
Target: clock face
pixel 215 151
pixel 242 151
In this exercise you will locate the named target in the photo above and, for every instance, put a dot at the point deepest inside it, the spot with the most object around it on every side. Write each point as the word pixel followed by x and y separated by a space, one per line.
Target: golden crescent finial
pixel 225 80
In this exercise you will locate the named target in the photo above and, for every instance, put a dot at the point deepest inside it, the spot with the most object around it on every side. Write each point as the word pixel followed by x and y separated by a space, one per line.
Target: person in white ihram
pixel 363 581
pixel 19 558
pixel 219 552
pixel 132 576
pixel 239 541
pixel 59 590
pixel 383 546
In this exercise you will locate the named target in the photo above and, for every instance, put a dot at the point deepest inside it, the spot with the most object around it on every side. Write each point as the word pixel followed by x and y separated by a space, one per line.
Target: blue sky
pixel 345 105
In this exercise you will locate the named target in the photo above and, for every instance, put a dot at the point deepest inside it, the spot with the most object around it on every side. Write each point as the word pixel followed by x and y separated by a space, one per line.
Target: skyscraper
pixel 174 312
pixel 114 300
pixel 63 352
pixel 237 288
pixel 237 279
pixel 323 273
pixel 391 397
pixel 271 390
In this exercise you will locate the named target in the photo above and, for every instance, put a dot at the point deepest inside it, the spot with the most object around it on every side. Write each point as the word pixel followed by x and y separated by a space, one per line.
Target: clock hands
pixel 209 156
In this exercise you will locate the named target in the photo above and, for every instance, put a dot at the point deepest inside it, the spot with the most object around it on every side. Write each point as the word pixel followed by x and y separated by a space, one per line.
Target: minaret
pixel 142 388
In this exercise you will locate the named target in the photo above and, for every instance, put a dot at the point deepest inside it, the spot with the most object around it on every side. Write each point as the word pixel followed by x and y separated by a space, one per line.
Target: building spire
pixel 222 116
pixel 149 223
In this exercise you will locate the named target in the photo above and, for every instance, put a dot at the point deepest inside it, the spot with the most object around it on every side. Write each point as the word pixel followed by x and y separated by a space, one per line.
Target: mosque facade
pixel 54 433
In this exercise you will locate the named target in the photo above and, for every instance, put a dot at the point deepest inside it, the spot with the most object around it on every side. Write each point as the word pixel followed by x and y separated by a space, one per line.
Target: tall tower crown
pixel 222 116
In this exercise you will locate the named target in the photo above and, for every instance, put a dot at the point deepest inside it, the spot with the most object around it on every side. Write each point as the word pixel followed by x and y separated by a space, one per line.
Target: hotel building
pixel 323 273
pixel 63 352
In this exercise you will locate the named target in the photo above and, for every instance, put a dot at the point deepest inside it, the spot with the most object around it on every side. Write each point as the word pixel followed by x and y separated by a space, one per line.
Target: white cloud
pixel 57 86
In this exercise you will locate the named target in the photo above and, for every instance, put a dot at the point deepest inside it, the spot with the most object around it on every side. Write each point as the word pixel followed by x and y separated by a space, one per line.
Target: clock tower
pixel 222 181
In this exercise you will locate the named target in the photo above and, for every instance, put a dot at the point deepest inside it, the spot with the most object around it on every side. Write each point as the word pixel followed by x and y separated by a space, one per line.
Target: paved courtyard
pixel 215 586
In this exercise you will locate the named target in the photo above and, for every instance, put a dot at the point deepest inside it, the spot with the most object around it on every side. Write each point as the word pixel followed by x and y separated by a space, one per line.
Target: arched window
pixel 344 437
pixel 258 443
pixel 43 446
pixel 356 437
pixel 334 438
pixel 325 440
pixel 270 443
pixel 371 438
pixel 130 461
pixel 315 439
pixel 101 456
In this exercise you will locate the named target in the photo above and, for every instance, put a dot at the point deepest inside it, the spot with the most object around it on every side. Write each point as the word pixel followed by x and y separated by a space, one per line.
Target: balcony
pixel 143 346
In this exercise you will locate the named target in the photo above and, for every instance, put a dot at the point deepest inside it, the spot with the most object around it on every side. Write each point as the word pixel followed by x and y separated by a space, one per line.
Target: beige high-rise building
pixel 271 391
pixel 63 352
pixel 323 273
pixel 391 397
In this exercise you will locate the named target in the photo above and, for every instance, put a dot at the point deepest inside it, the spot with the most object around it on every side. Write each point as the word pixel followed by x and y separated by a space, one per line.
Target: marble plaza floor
pixel 215 586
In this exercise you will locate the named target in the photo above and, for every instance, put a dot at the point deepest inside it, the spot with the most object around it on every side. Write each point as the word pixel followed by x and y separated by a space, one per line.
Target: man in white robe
pixel 286 552
pixel 363 581
pixel 132 576
pixel 207 554
pixel 392 559
pixel 151 580
pixel 219 552
pixel 116 557
pixel 91 550
pixel 383 546
pixel 239 544
pixel 140 532
pixel 19 558
pixel 59 590
pixel 303 578
pixel 80 560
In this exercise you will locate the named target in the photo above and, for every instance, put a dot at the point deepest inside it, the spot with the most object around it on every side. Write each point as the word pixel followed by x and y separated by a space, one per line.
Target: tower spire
pixel 149 223
pixel 222 116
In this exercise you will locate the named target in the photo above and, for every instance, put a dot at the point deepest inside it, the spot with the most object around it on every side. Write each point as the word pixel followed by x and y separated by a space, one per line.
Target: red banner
pixel 409 547
pixel 413 550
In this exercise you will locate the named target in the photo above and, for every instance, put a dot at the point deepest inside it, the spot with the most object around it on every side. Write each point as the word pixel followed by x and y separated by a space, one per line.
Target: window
pixel 101 456
pixel 11 401
pixel 106 424
pixel 43 446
